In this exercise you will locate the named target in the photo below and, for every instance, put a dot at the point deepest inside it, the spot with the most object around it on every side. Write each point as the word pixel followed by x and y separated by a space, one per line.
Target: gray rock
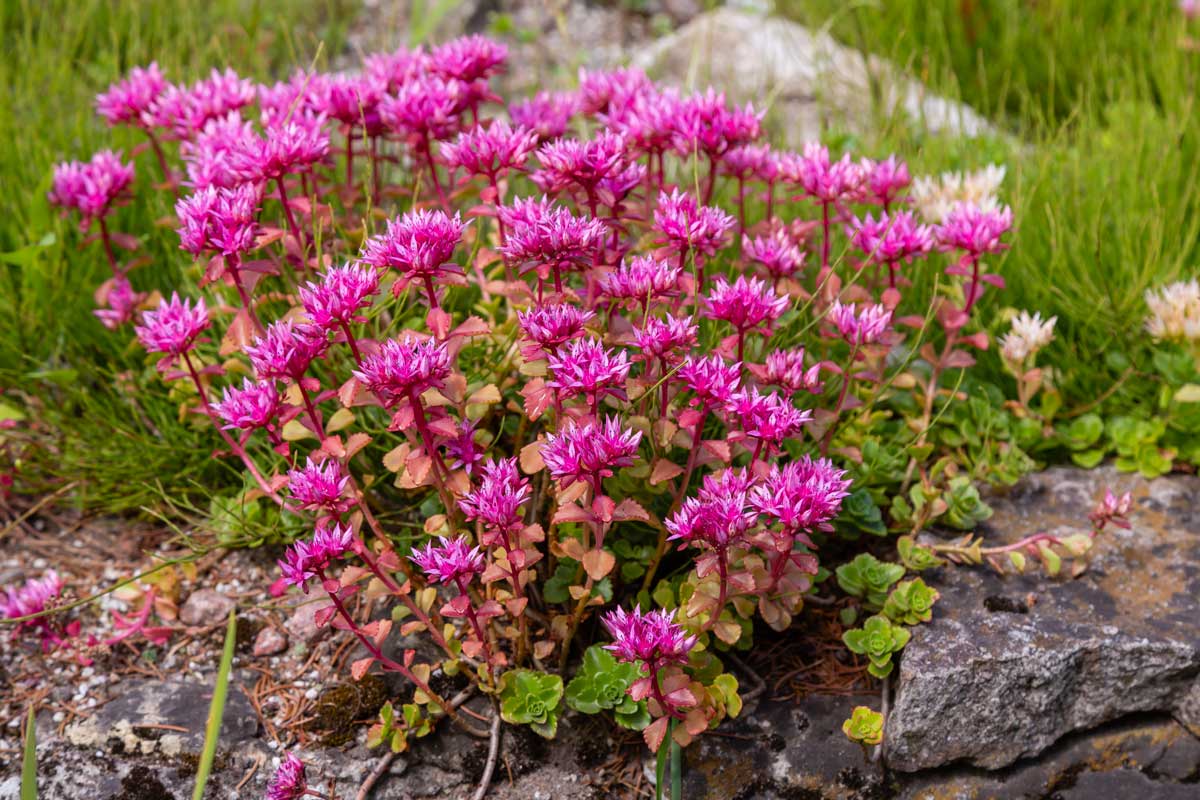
pixel 269 642
pixel 989 687
pixel 816 83
pixel 166 718
pixel 205 607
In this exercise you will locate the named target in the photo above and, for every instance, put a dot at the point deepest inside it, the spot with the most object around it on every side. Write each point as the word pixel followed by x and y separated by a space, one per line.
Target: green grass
pixel 1099 100
pixel 57 55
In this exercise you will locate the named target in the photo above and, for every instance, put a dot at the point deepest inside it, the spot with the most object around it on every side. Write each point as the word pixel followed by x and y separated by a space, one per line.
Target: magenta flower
pixel 302 95
pixel 219 220
pixel 91 187
pixel 802 495
pixel 127 100
pixel 464 452
pixel 777 253
pixel 490 151
pixel 320 486
pixel 290 782
pixel 717 517
pixel 893 238
pixel 974 230
pixel 747 161
pixel 860 326
pixel 711 379
pixel 640 280
pixel 452 560
pixel 304 561
pixel 746 304
pixel 498 500
pixel 354 100
pixel 825 181
pixel 666 339
pixel 173 327
pixel 1114 509
pixel 427 108
pixel 600 91
pixel 420 245
pixel 769 418
pixel 645 119
pixel 469 58
pixel 584 367
pixel 33 597
pixel 341 293
pixel 585 165
pixel 251 407
pixel 286 147
pixel 404 368
pixel 885 180
pixel 181 111
pixel 590 452
pixel 286 350
pixel 390 71
pixel 687 226
pixel 555 241
pixel 785 369
pixel 209 157
pixel 707 125
pixel 122 303
pixel 654 638
pixel 550 325
pixel 546 114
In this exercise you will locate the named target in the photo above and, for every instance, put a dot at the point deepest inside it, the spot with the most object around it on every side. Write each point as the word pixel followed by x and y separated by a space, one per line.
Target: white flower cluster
pixel 1029 334
pixel 936 197
pixel 1175 311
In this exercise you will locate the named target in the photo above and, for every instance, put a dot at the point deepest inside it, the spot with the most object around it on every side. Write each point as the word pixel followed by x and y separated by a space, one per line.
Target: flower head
pixel 290 782
pixel 209 155
pixel 451 560
pixel 748 161
pixel 127 100
pixel 584 164
pixel 686 226
pixel 404 368
pixel 303 95
pixel 182 111
pixel 173 327
pixel 340 294
pixel 91 187
pixel 718 516
pixel 711 379
pixel 666 339
pixel 320 486
pixel 802 495
pixel 706 124
pixel 1114 509
pixel 469 58
pixel 1174 311
pixel 304 561
pixel 645 119
pixel 585 367
pixel 555 238
pixel 974 230
pixel 252 406
pixel 390 71
pixel 33 597
pixel 860 326
pixel 490 151
pixel 549 326
pixel 935 198
pixel 891 239
pixel 427 108
pixel 498 500
pixel 769 418
pixel 785 369
pixel 288 146
pixel 885 180
pixel 776 251
pixel 1028 335
pixel 640 280
pixel 546 114
pixel 824 180
pixel 219 220
pixel 122 302
pixel 420 245
pixel 354 100
pixel 589 452
pixel 287 349
pixel 746 304
pixel 653 638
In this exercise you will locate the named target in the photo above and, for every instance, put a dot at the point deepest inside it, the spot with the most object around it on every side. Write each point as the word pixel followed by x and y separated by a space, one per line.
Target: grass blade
pixel 216 711
pixel 29 764
pixel 660 767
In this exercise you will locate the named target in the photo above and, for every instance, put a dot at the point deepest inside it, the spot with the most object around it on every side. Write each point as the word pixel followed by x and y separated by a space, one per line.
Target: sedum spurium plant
pixel 598 388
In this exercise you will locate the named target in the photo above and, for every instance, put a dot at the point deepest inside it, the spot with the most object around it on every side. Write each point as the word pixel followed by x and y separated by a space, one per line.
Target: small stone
pixel 302 625
pixel 270 641
pixel 205 607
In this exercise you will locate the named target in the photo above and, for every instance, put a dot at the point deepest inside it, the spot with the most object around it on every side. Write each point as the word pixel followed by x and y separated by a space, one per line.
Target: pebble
pixel 270 641
pixel 205 607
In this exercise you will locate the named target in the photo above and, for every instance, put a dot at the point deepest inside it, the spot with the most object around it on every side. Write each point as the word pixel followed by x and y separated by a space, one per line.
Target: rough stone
pixel 163 717
pixel 815 82
pixel 989 687
pixel 269 642
pixel 205 607
pixel 302 624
